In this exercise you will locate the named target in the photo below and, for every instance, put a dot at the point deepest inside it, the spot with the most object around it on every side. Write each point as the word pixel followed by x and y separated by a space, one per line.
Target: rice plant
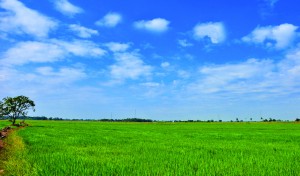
pixel 100 148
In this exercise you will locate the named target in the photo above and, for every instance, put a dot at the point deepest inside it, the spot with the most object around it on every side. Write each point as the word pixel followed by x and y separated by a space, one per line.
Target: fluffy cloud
pixel 82 48
pixel 52 51
pixel 279 37
pixel 66 8
pixel 214 31
pixel 83 32
pixel 129 66
pixel 111 19
pixel 117 47
pixel 18 19
pixel 26 52
pixel 156 25
pixel 184 43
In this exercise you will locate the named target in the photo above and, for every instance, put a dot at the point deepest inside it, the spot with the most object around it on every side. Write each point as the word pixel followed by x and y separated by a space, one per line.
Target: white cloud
pixel 165 64
pixel 66 8
pixel 26 52
pixel 18 19
pixel 279 37
pixel 183 74
pixel 39 81
pixel 254 76
pixel 6 74
pixel 63 75
pixel 150 84
pixel 129 66
pixel 215 31
pixel 242 77
pixel 157 25
pixel 51 51
pixel 117 47
pixel 290 67
pixel 111 19
pixel 83 48
pixel 83 32
pixel 184 43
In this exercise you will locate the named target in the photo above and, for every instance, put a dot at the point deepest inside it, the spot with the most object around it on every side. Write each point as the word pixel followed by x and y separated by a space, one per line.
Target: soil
pixel 1 144
pixel 3 134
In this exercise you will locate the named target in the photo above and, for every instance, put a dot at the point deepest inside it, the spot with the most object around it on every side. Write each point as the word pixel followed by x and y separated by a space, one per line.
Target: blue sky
pixel 164 60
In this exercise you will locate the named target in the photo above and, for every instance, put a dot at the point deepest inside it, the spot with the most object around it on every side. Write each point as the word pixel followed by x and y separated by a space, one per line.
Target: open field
pixel 4 123
pixel 99 148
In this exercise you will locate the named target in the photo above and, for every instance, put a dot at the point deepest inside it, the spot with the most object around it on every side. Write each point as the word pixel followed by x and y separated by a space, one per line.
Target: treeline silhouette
pixel 139 119
pixel 103 120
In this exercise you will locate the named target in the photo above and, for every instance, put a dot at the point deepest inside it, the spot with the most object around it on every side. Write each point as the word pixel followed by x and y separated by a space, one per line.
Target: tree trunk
pixel 13 120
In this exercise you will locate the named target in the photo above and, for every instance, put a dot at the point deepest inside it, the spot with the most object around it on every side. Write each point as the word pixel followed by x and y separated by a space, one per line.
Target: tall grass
pixel 94 148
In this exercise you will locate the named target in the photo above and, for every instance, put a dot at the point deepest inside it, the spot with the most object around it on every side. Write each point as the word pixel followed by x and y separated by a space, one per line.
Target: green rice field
pixel 158 148
pixel 4 123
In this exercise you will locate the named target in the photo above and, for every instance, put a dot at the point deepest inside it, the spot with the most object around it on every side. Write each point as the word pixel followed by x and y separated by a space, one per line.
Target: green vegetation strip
pixel 99 148
pixel 14 159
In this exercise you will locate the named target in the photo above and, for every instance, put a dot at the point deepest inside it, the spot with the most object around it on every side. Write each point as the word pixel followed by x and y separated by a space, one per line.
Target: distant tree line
pixel 136 119
pixel 126 120
pixel 103 120
pixel 275 120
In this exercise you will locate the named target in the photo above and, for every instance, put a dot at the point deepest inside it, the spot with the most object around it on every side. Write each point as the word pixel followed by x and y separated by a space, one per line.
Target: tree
pixel 16 107
pixel 1 109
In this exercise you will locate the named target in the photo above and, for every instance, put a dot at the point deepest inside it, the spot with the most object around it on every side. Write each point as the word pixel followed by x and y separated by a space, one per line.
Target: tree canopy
pixel 16 107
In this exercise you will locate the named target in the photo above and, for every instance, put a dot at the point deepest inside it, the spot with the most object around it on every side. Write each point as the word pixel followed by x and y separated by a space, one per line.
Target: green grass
pixel 98 148
pixel 4 123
